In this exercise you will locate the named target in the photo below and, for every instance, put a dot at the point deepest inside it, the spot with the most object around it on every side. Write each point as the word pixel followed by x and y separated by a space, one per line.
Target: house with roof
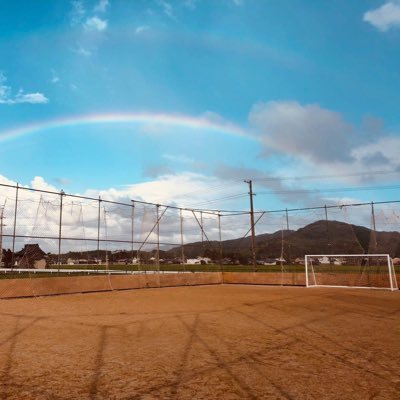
pixel 31 256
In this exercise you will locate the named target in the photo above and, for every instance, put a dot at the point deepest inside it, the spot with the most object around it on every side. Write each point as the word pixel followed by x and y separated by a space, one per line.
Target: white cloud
pixel 154 171
pixel 308 132
pixel 63 181
pixel 82 51
pixel 141 28
pixel 385 17
pixel 167 8
pixel 54 77
pixel 192 4
pixel 39 183
pixel 318 139
pixel 96 23
pixel 32 98
pixel 5 181
pixel 6 96
pixel 40 211
pixel 78 12
pixel 179 158
pixel 186 187
pixel 183 189
pixel 80 217
pixel 101 6
pixel 80 17
pixel 382 152
pixel 5 90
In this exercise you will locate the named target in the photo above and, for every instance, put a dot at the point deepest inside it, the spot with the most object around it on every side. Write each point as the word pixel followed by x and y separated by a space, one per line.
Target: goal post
pixel 375 271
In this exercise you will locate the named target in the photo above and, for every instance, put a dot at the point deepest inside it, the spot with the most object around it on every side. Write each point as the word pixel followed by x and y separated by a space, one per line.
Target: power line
pixel 230 197
pixel 279 178
pixel 357 189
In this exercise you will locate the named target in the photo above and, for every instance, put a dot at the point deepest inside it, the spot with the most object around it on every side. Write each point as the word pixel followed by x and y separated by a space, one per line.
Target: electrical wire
pixel 279 178
pixel 230 197
pixel 332 190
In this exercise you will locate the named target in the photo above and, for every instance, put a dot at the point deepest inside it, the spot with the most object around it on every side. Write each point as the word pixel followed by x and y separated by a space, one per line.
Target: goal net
pixel 350 270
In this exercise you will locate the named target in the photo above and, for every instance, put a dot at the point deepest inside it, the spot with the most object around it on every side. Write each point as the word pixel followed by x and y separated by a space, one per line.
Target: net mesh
pixel 57 234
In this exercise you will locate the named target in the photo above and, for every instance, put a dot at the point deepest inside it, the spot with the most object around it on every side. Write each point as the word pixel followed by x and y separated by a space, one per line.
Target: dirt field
pixel 204 342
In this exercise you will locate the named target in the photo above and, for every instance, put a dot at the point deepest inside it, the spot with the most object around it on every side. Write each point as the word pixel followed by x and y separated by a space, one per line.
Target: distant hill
pixel 320 237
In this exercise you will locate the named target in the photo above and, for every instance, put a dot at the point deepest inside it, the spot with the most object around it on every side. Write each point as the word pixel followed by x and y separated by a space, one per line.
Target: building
pixel 31 256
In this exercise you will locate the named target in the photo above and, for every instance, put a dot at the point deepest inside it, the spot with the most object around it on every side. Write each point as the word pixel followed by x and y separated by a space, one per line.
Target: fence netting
pixel 54 234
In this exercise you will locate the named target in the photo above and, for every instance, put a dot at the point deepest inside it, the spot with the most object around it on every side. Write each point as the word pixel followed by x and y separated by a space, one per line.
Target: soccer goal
pixel 350 270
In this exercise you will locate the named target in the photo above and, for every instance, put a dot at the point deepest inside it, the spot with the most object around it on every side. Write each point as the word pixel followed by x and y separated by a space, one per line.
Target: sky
pixel 179 102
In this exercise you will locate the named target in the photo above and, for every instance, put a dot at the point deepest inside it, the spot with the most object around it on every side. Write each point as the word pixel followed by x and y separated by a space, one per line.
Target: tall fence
pixel 68 230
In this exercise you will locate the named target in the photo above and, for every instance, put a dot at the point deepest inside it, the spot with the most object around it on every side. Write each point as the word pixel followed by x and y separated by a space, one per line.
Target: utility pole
pixel 253 231
pixel 287 228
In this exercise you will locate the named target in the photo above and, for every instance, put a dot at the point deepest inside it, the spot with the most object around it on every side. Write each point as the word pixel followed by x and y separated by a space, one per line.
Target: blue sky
pixel 179 101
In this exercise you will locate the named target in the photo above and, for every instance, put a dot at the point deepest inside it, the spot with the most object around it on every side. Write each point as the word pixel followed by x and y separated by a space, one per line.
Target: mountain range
pixel 320 237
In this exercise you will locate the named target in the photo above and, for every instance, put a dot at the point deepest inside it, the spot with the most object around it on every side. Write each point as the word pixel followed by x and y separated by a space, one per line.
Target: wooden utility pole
pixel 253 230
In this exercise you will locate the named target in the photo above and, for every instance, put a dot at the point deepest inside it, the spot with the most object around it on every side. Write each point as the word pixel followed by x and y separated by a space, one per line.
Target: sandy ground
pixel 207 342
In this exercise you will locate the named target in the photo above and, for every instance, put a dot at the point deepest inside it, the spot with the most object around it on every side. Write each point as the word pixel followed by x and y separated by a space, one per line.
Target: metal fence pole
pixel 15 226
pixel 373 233
pixel 182 243
pixel 220 242
pixel 158 238
pixel 1 234
pixel 202 233
pixel 132 228
pixel 98 232
pixel 60 230
pixel 328 250
pixel 288 228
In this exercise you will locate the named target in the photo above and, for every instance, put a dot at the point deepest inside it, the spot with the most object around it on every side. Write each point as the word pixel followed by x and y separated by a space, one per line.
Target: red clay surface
pixel 203 342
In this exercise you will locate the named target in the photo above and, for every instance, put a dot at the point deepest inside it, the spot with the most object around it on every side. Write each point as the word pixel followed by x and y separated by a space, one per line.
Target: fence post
pixel 15 226
pixel 106 237
pixel 98 232
pixel 1 234
pixel 373 233
pixel 182 248
pixel 59 229
pixel 132 229
pixel 158 238
pixel 202 233
pixel 327 231
pixel 220 242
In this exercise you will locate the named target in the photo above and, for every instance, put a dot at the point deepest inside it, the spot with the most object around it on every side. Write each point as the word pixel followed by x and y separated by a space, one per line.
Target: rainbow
pixel 196 123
